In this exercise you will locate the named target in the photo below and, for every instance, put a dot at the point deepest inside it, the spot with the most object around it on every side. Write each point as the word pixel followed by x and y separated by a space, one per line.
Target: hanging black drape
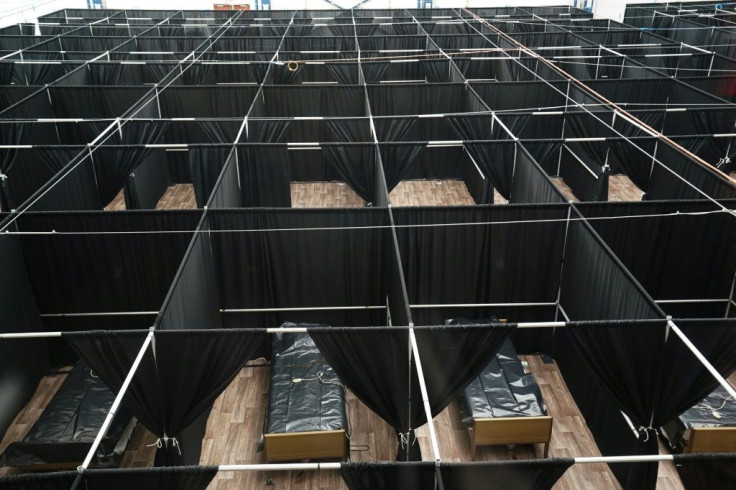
pixel 147 183
pixel 227 190
pixel 632 161
pixel 530 183
pixel 114 164
pixel 496 161
pixel 167 394
pixel 374 364
pixel 706 471
pixel 267 130
pixel 264 176
pixel 205 166
pixel 545 153
pixel 10 134
pixel 193 300
pixel 357 167
pixel 626 358
pixel 389 476
pixel 398 160
pixel 453 355
pixel 393 129
pixel 517 475
pixel 344 73
pixel 373 72
pixel 24 361
pixel 111 355
pixel 181 478
pixel 686 381
pixel 348 130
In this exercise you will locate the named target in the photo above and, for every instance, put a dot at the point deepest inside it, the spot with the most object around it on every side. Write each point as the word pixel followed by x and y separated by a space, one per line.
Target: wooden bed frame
pixel 510 430
pixel 711 440
pixel 296 446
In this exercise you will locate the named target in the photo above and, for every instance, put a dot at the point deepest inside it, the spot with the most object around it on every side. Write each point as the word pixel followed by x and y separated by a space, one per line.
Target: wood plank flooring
pixel 177 196
pixel 47 388
pixel 235 427
pixel 324 195
pixel 430 193
pixel 565 189
pixel 621 188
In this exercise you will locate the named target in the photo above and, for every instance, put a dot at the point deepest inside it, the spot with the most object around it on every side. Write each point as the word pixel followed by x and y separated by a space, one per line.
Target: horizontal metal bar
pixel 691 300
pixel 476 305
pixel 29 335
pixel 302 308
pixel 102 313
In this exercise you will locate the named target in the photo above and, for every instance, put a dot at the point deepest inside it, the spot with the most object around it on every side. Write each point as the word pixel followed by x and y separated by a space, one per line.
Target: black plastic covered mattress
pixel 69 424
pixel 702 415
pixel 307 405
pixel 502 389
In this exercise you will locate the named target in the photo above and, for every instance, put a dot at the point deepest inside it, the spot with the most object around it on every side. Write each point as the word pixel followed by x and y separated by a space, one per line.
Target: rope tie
pixel 646 430
pixel 164 441
pixel 721 162
pixel 404 439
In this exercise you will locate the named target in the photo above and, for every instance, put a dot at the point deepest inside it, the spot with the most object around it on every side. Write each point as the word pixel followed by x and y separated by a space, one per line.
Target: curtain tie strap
pixel 3 177
pixel 404 438
pixel 164 441
pixel 646 430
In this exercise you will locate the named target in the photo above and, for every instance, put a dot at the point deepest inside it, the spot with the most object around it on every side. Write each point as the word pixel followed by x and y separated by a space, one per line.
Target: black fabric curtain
pixel 394 129
pixel 389 476
pixel 453 355
pixel 265 176
pixel 268 130
pixel 398 160
pixel 301 269
pixel 545 153
pixel 626 358
pixel 374 72
pixel 227 191
pixel 166 394
pixel 23 361
pixel 530 183
pixel 344 73
pixel 147 183
pixel 180 478
pixel 664 185
pixel 519 475
pixel 219 131
pixel 11 134
pixel 205 166
pixel 347 130
pixel 374 364
pixel 588 182
pixel 632 161
pixel 686 381
pixel 193 302
pixel 703 471
pixel 356 165
pixel 496 161
pixel 114 164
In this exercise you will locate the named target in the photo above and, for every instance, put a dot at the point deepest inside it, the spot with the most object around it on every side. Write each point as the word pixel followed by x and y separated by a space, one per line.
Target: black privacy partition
pixel 108 263
pixel 25 361
pixel 489 258
pixel 266 171
pixel 674 257
pixel 296 259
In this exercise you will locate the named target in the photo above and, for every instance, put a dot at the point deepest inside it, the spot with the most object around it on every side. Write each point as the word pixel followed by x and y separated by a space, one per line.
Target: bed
pixel 708 427
pixel 63 434
pixel 504 404
pixel 306 417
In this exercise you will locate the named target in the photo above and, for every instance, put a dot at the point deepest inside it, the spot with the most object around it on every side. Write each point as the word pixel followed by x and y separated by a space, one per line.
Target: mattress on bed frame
pixel 700 416
pixel 502 389
pixel 69 424
pixel 305 406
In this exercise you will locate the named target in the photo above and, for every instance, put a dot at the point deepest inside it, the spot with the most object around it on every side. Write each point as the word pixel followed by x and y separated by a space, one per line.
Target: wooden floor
pixel 430 193
pixel 621 188
pixel 235 427
pixel 177 196
pixel 565 189
pixel 324 195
